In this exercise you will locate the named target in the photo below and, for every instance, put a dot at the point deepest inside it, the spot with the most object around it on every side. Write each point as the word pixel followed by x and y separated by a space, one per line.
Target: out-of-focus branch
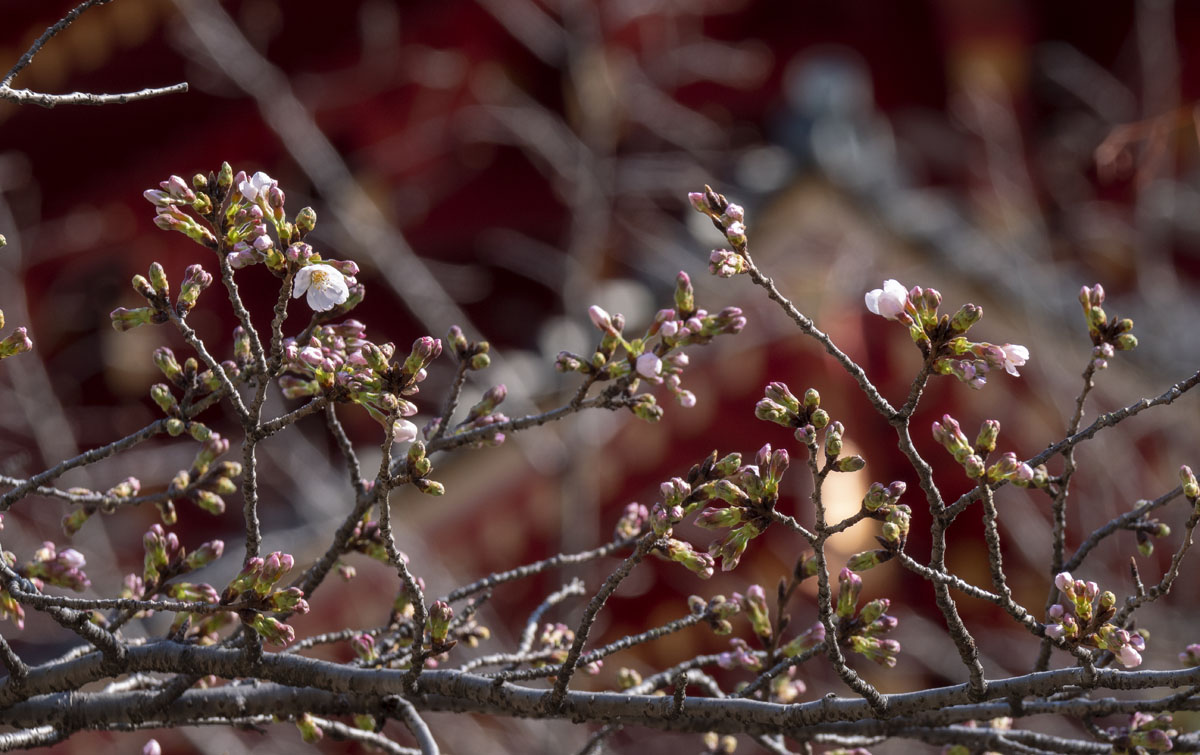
pixel 29 97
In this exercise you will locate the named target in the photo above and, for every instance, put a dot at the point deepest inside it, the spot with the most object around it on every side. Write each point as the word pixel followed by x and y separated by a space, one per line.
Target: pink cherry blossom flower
pixel 1128 656
pixel 1014 356
pixel 649 366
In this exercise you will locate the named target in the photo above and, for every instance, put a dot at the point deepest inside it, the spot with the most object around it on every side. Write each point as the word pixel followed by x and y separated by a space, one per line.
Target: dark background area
pixel 504 164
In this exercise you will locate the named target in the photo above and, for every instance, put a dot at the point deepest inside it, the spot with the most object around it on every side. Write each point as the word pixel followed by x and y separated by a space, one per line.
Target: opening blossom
pixel 326 287
pixel 403 431
pixel 888 301
pixel 257 184
pixel 1015 356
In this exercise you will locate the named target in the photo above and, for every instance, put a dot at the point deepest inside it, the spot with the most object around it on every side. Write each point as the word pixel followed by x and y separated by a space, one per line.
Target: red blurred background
pixel 503 164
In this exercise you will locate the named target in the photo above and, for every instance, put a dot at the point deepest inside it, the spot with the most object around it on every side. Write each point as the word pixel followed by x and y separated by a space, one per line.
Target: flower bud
pixel 833 440
pixel 440 614
pixel 985 442
pixel 850 585
pixel 860 562
pixel 210 502
pixel 127 319
pixel 274 631
pixel 15 343
pixel 685 298
pixel 429 487
pixel 204 555
pixel 965 317
pixel 850 464
pixel 158 279
pixel 161 393
pixel 1126 342
pixel 290 600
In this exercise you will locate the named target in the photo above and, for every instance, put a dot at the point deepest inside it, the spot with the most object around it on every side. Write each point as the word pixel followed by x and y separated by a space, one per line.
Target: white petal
pixel 302 281
pixel 872 300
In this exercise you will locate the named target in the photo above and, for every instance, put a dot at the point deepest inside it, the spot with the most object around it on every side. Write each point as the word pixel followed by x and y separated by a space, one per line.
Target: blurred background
pixel 503 164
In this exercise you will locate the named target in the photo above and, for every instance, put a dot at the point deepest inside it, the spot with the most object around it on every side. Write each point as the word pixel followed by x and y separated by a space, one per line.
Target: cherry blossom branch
pixel 809 329
pixel 293 682
pixel 555 698
pixel 83 459
pixel 1117 524
pixel 347 448
pixel 529 570
pixel 26 96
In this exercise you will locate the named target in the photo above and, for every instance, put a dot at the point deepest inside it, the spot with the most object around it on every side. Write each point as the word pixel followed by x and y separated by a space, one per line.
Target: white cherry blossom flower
pixel 326 287
pixel 888 301
pixel 256 185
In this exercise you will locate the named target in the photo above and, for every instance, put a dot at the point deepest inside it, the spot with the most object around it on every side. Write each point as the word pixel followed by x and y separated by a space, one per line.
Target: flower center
pixel 319 279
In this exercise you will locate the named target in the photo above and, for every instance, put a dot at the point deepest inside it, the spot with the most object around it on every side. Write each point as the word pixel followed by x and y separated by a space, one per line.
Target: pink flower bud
pixel 649 366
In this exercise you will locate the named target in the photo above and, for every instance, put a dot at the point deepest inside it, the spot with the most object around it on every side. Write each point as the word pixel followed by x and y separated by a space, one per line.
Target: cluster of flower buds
pixel 973 458
pixel 656 355
pixel 805 641
pixel 738 497
pixel 730 220
pixel 166 558
pixel 123 491
pixel 860 629
pixel 786 688
pixel 1082 616
pixel 682 552
pixel 717 611
pixel 50 566
pixel 254 588
pixel 740 655
pixel 156 290
pixel 1108 335
pixel 805 416
pixel 941 337
pixel 243 218
pixel 368 539
pixel 172 200
pixel 472 354
pixel 757 612
pixel 189 378
pixel 554 643
pixel 481 415
pixel 882 504
pixel 340 362
pixel 1145 733
pixel 206 481
pixel 16 341
pixel 1146 529
pixel 632 521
